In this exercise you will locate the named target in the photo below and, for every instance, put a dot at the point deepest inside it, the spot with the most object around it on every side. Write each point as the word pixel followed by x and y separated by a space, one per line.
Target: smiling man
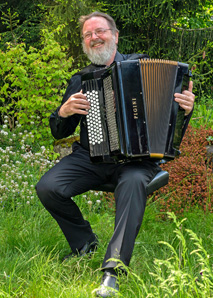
pixel 75 174
pixel 100 44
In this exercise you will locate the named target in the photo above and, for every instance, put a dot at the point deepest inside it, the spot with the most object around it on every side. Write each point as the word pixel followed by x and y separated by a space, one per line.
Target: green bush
pixel 32 84
pixel 202 114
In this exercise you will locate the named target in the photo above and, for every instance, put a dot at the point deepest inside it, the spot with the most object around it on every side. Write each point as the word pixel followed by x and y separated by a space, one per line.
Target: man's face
pixel 99 49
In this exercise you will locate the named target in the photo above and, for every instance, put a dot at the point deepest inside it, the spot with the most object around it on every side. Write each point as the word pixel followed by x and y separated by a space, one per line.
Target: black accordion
pixel 133 114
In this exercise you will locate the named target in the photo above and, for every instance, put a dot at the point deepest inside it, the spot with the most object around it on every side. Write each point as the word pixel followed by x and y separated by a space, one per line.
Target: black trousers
pixel 75 174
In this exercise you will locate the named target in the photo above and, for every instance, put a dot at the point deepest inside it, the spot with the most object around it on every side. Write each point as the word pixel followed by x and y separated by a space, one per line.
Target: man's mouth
pixel 96 44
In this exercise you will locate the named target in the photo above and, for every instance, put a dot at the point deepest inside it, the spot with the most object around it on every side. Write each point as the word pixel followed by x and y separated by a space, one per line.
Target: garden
pixel 173 254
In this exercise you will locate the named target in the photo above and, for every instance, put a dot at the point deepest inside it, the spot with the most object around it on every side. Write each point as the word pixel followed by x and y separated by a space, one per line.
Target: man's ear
pixel 116 37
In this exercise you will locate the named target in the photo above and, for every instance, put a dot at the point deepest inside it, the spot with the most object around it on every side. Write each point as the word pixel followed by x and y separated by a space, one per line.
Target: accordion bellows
pixel 133 113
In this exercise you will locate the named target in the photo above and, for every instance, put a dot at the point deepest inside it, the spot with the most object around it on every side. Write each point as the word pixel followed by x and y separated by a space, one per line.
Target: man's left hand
pixel 186 99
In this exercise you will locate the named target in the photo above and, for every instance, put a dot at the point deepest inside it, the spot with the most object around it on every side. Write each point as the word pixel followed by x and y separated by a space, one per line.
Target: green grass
pixel 32 247
pixel 172 257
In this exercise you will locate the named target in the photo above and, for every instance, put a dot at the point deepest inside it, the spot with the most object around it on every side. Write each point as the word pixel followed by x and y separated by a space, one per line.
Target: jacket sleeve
pixel 64 127
pixel 186 123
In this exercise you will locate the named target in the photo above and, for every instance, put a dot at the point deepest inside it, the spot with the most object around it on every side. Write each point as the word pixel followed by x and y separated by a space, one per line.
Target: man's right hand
pixel 76 104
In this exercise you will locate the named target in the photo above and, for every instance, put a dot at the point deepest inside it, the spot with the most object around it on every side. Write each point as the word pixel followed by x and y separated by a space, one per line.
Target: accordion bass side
pixel 133 113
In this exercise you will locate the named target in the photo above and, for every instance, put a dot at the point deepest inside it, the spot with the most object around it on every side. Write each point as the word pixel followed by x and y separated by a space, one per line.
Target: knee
pixel 44 189
pixel 133 179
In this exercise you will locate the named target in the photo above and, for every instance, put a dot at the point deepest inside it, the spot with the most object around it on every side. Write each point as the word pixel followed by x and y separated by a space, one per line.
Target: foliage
pixel 175 276
pixel 22 163
pixel 32 84
pixel 153 26
pixel 66 13
pixel 202 113
pixel 150 26
pixel 202 69
pixel 171 29
pixel 146 25
pixel 21 22
pixel 191 179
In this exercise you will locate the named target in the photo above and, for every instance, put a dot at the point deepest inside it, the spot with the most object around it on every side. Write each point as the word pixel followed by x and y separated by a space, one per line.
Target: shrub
pixel 32 84
pixel 191 179
pixel 202 114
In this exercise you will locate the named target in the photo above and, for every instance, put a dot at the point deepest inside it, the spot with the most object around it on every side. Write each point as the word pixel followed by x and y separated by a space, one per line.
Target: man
pixel 75 174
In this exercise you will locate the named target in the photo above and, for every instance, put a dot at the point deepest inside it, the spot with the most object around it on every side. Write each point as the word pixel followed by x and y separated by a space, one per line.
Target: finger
pixel 82 107
pixel 80 111
pixel 180 97
pixel 190 86
pixel 184 99
pixel 79 95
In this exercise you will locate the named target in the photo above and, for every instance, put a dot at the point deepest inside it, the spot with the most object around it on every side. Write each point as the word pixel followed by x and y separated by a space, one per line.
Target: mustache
pixel 94 42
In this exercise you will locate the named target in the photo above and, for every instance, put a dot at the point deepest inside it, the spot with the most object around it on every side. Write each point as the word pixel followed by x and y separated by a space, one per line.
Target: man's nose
pixel 94 35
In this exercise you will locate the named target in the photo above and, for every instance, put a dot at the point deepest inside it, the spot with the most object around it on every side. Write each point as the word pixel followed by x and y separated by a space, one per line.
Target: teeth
pixel 97 44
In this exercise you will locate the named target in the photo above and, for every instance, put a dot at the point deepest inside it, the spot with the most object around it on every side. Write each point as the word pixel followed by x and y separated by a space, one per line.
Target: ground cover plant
pixel 191 179
pixel 172 256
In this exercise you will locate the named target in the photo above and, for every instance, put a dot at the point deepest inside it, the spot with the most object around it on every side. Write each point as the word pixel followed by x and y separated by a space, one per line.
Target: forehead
pixel 94 23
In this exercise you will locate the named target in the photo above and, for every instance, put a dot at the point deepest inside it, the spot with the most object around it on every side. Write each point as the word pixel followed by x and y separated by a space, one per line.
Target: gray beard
pixel 101 56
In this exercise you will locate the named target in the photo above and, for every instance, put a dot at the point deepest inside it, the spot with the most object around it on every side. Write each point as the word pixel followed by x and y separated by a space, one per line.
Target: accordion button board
pixel 94 126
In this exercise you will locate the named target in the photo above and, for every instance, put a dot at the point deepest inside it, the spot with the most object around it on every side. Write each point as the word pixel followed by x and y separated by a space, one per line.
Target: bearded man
pixel 75 174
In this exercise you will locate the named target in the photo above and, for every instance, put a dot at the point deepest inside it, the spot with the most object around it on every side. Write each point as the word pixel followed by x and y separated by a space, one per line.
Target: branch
pixel 196 29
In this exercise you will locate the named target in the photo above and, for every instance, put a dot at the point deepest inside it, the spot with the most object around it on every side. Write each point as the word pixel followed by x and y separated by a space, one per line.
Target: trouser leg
pixel 130 197
pixel 73 175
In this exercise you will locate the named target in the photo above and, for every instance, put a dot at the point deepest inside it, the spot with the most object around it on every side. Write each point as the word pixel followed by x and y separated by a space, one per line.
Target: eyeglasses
pixel 98 32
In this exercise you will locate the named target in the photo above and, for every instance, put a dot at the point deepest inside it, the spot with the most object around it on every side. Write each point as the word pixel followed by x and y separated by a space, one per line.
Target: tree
pixel 65 14
pixel 178 30
pixel 20 22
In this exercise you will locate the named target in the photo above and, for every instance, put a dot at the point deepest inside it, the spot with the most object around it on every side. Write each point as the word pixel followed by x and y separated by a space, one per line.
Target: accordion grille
pixel 158 79
pixel 110 114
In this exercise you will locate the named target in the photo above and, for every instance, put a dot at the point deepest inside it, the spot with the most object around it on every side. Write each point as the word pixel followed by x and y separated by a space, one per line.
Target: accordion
pixel 133 114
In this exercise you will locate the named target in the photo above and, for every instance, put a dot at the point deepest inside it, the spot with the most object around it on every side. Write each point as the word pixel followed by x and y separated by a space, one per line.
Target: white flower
pixel 89 202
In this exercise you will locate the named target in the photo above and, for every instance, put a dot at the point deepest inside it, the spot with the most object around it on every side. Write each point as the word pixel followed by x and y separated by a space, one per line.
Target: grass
pixel 172 256
pixel 32 247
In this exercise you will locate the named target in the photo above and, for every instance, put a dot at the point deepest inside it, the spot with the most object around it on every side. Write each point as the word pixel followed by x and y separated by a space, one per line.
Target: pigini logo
pixel 135 108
